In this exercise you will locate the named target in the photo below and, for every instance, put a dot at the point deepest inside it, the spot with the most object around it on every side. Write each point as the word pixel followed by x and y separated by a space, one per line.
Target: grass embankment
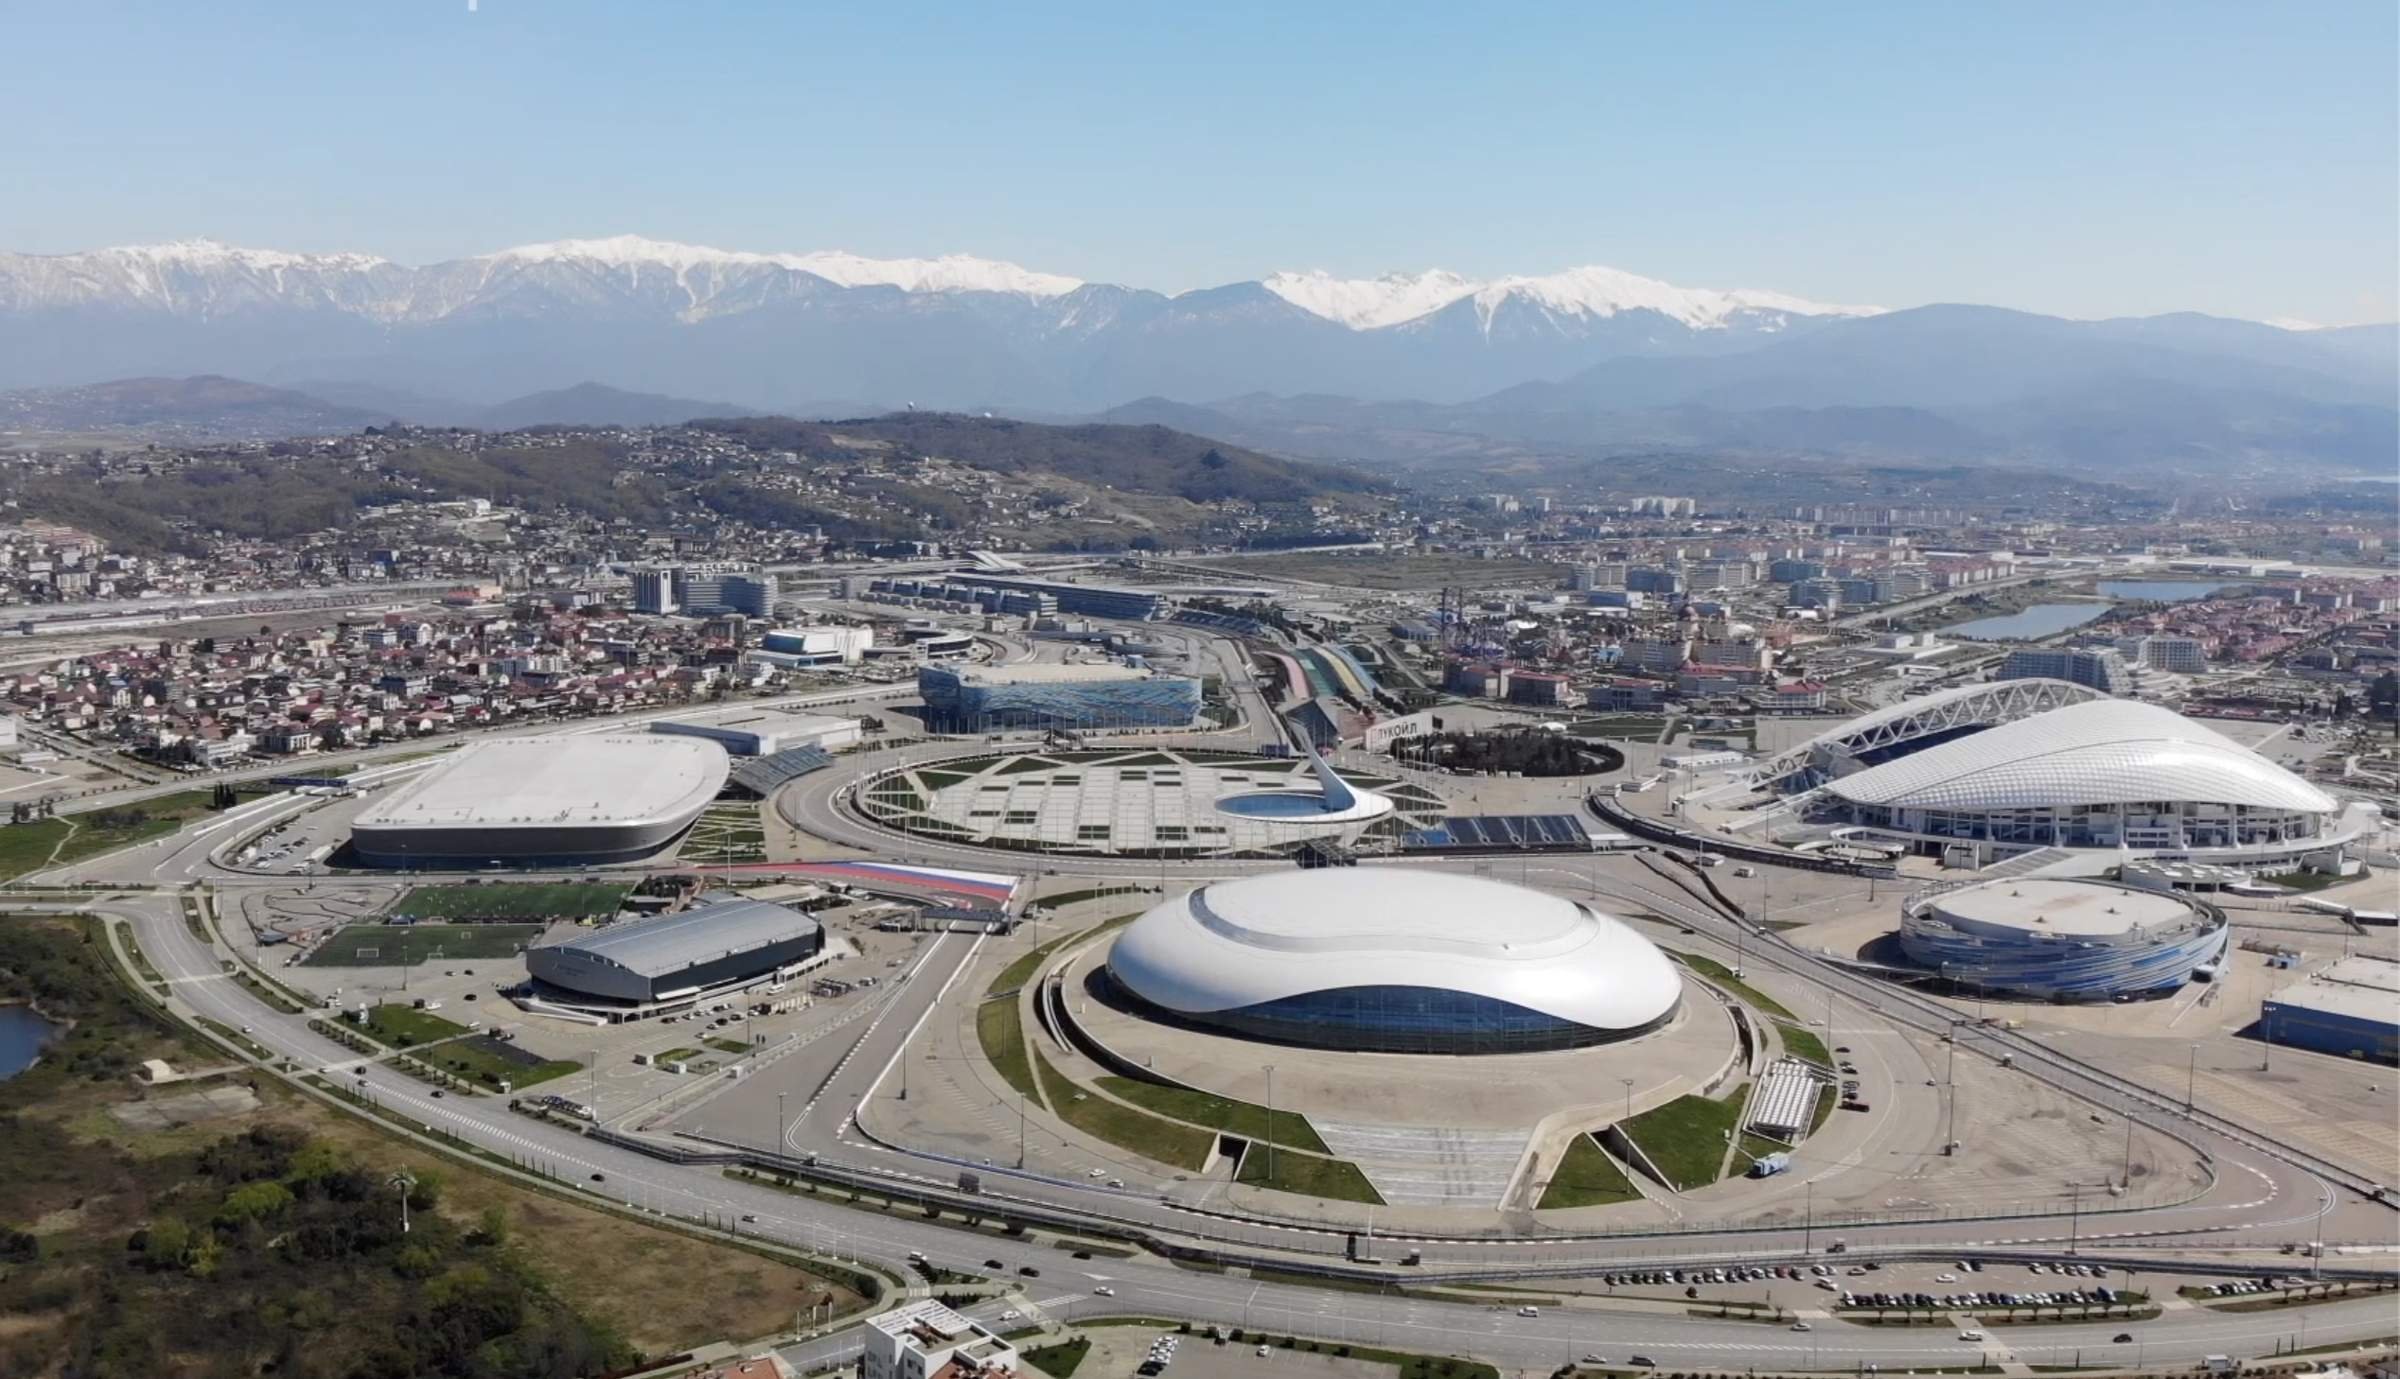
pixel 1586 1177
pixel 1002 1033
pixel 1722 975
pixel 405 945
pixel 267 1237
pixel 65 838
pixel 1020 971
pixel 506 900
pixel 1307 1174
pixel 1804 1044
pixel 1755 1147
pixel 1066 898
pixel 2302 880
pixel 1685 1139
pixel 1288 1129
pixel 1137 1132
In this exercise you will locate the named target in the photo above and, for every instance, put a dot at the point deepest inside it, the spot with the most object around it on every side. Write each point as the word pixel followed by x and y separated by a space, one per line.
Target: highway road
pixel 2264 1194
pixel 1144 1286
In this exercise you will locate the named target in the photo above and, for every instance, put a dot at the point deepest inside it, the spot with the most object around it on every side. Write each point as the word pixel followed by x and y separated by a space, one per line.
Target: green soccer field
pixel 507 900
pixel 396 945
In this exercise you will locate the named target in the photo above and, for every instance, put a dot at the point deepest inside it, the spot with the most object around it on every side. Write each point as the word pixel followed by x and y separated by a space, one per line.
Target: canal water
pixel 2030 624
pixel 22 1034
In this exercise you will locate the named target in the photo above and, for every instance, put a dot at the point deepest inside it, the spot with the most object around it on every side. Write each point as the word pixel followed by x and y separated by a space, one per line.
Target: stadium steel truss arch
pixel 1837 753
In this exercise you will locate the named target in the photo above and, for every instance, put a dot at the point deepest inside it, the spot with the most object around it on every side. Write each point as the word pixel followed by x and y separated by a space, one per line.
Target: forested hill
pixel 911 476
pixel 1137 459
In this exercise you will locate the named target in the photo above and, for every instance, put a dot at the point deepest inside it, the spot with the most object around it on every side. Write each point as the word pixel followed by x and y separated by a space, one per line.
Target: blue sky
pixel 2085 159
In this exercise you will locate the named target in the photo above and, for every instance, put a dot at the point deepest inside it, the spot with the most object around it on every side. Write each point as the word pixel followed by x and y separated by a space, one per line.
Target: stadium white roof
pixel 2104 751
pixel 1239 943
pixel 616 779
pixel 670 944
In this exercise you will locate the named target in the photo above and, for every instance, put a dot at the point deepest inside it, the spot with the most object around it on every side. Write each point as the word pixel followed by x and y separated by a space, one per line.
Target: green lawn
pixel 1586 1177
pixel 398 945
pixel 520 900
pixel 1308 1175
pixel 1756 1146
pixel 1723 976
pixel 1016 974
pixel 75 837
pixel 1065 898
pixel 2303 880
pixel 488 1062
pixel 1243 1118
pixel 1058 1361
pixel 1002 1034
pixel 404 1026
pixel 1137 1132
pixel 1685 1139
pixel 1800 1043
pixel 1629 727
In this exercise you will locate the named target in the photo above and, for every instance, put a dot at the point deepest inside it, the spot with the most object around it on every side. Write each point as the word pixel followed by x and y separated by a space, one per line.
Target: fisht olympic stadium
pixel 545 801
pixel 1386 960
pixel 2023 765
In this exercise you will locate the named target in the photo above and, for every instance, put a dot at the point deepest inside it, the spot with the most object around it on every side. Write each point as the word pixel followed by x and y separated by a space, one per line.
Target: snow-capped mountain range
pixel 197 277
pixel 832 330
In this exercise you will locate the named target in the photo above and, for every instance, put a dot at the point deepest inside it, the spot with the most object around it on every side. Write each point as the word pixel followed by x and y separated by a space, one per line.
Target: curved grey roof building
pixel 653 960
pixel 2106 773
pixel 1394 961
pixel 560 800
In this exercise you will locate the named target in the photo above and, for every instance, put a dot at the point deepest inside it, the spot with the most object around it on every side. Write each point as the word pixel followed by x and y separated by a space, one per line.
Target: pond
pixel 2031 624
pixel 2161 590
pixel 22 1034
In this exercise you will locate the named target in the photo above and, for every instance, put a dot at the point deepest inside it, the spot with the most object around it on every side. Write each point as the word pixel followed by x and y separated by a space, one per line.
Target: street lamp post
pixel 782 1125
pixel 2191 1079
pixel 1628 1096
pixel 403 1183
pixel 1270 1069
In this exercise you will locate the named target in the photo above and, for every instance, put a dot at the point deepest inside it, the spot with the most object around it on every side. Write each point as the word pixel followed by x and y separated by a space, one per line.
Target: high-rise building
pixel 654 589
pixel 2175 655
pixel 2103 669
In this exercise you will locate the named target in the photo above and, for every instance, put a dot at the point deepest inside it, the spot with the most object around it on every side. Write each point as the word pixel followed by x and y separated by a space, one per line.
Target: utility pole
pixel 1270 1123
pixel 2074 1213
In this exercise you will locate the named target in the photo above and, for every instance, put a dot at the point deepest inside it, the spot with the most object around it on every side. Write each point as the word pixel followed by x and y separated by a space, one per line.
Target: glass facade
pixel 1402 1019
pixel 958 701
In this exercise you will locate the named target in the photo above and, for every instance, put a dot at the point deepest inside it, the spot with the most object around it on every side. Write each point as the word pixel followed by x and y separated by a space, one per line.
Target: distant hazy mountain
pixel 786 328
pixel 204 407
pixel 1409 365
pixel 2167 394
pixel 594 404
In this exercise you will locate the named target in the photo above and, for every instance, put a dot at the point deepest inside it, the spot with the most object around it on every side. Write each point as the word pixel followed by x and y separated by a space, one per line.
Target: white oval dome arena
pixel 1386 960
